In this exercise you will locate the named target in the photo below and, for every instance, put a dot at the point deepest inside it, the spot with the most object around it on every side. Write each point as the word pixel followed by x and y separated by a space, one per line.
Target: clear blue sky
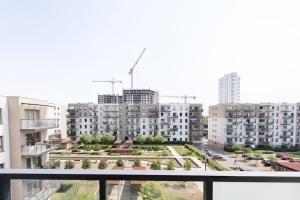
pixel 52 49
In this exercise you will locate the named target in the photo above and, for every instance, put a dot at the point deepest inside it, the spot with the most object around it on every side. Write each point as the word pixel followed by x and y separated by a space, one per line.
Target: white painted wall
pixel 4 132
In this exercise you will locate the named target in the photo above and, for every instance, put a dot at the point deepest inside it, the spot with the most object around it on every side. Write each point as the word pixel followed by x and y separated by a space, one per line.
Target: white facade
pixel 229 88
pixel 266 124
pixel 173 121
pixel 4 134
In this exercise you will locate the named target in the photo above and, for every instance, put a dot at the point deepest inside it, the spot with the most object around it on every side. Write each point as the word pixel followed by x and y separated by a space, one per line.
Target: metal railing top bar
pixel 207 176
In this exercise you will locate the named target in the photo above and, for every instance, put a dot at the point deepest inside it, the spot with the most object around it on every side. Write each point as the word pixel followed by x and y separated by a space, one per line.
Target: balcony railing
pixel 37 149
pixel 211 179
pixel 39 124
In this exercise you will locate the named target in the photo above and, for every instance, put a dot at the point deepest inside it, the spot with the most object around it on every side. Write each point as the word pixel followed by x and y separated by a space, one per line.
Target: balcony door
pixel 33 138
pixel 32 114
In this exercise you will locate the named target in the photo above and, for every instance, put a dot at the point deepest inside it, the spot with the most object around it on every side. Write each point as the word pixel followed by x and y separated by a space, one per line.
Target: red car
pixel 285 157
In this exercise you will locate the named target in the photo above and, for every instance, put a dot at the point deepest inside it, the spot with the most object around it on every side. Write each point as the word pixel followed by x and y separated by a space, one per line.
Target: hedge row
pixel 150 147
pixel 267 149
pixel 210 161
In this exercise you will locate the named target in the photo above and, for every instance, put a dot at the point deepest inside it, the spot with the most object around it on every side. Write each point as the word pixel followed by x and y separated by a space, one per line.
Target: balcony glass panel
pixel 257 191
pixel 33 124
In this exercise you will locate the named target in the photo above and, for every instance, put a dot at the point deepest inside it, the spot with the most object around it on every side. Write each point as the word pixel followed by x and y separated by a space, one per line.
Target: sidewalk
pixel 176 155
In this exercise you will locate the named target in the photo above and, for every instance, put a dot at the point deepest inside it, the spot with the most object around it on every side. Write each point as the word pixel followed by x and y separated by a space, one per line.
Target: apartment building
pixel 34 129
pixel 140 96
pixel 265 124
pixel 4 134
pixel 229 88
pixel 109 99
pixel 176 122
pixel 82 118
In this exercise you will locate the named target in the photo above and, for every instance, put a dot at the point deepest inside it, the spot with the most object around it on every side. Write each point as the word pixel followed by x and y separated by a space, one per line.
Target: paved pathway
pixel 176 155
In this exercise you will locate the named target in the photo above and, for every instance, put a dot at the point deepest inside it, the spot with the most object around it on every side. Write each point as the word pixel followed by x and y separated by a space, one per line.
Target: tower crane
pixel 134 65
pixel 112 82
pixel 184 97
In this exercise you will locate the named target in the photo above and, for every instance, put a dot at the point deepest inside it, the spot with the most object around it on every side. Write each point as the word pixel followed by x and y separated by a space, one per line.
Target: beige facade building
pixel 35 129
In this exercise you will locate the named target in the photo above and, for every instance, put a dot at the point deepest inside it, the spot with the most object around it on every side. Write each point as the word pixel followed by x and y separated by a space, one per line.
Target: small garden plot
pixel 183 151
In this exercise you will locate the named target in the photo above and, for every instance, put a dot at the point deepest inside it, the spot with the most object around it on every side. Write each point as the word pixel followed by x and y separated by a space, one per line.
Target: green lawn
pixel 81 190
pixel 181 150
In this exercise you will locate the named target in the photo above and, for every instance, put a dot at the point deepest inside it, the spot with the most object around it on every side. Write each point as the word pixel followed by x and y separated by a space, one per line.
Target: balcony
pixel 37 149
pixel 38 124
pixel 46 189
pixel 213 183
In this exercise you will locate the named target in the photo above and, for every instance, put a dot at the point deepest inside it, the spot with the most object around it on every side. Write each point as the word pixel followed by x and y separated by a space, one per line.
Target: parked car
pixel 292 159
pixel 217 156
pixel 252 157
pixel 285 157
pixel 279 155
pixel 267 162
pixel 245 155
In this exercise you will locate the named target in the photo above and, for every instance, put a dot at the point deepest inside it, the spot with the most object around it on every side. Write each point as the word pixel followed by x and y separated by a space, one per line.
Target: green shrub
pixel 164 153
pixel 66 153
pixel 75 150
pixel 88 147
pixel 137 153
pixel 171 165
pixel 69 164
pixel 86 164
pixel 149 140
pixel 151 191
pixel 102 164
pixel 136 163
pixel 120 163
pixel 108 139
pixel 187 165
pixel 86 139
pixel 96 138
pixel 156 165
pixel 238 152
pixel 95 153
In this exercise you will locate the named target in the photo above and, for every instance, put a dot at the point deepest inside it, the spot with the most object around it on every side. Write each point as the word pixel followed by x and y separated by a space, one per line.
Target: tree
pixel 156 165
pixel 102 164
pixel 237 147
pixel 257 154
pixel 136 163
pixel 120 163
pixel 272 158
pixel 140 139
pixel 86 139
pixel 187 165
pixel 151 191
pixel 247 150
pixel 86 164
pixel 69 164
pixel 159 139
pixel 97 138
pixel 108 139
pixel 149 140
pixel 170 165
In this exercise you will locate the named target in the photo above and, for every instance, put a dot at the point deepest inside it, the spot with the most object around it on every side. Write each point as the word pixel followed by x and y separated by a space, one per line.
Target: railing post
pixel 5 189
pixel 207 190
pixel 102 189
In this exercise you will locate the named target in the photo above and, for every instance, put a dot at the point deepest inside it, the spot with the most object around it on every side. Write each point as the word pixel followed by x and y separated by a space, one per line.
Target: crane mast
pixel 134 65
